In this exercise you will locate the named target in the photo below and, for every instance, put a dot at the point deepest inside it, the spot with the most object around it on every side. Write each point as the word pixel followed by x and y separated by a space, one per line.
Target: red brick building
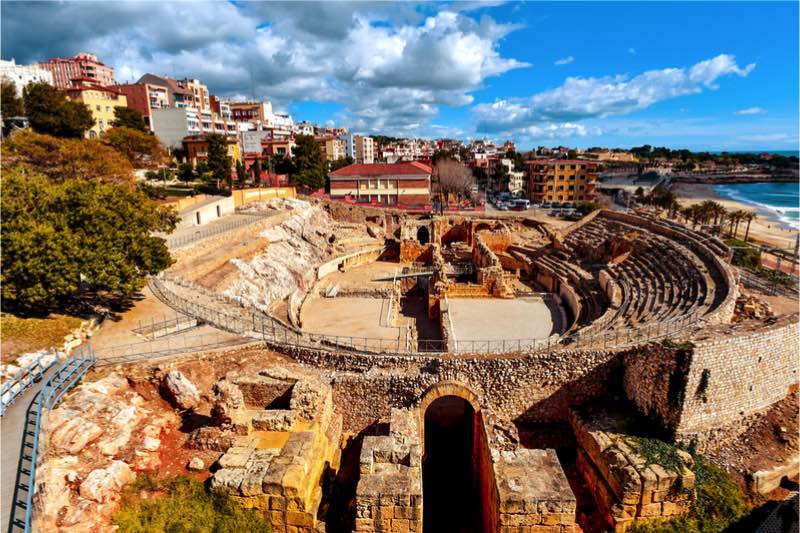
pixel 383 184
pixel 83 65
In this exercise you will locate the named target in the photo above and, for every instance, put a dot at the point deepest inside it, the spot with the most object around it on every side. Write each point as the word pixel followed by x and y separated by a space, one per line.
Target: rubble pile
pixel 750 307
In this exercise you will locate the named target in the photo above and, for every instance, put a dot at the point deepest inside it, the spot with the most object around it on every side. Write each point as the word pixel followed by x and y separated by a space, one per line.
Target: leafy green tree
pixel 185 172
pixel 11 104
pixel 60 238
pixel 142 149
pixel 309 166
pixel 127 117
pixel 50 111
pixel 201 169
pixel 64 159
pixel 218 161
pixel 341 163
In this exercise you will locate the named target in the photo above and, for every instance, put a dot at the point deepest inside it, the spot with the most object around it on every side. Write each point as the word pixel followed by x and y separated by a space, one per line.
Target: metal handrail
pixel 271 330
pixel 13 387
pixel 175 242
pixel 63 380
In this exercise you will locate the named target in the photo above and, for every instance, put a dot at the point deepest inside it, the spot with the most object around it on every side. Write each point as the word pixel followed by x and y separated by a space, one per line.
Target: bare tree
pixel 454 178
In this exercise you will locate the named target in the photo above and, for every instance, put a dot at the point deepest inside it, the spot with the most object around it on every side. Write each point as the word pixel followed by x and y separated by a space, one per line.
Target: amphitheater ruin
pixel 416 373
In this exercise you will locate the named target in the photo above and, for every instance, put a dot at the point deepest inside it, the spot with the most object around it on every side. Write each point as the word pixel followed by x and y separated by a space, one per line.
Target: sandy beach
pixel 763 230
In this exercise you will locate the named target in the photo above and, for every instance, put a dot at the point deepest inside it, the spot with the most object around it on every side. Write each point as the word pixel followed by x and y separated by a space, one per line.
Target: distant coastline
pixel 731 179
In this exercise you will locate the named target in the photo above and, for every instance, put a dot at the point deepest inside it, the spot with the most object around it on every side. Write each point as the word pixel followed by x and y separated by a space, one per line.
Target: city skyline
pixel 693 75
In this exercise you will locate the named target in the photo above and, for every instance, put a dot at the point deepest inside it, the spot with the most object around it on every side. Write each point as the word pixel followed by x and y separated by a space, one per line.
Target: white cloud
pixel 583 98
pixel 564 60
pixel 751 111
pixel 632 51
pixel 388 64
pixel 768 137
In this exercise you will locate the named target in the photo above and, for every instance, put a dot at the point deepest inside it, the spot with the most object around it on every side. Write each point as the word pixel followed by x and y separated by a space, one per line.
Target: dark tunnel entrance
pixel 451 499
pixel 423 236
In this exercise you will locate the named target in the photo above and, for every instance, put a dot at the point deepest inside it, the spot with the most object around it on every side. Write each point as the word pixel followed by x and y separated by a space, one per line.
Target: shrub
pixel 719 503
pixel 186 507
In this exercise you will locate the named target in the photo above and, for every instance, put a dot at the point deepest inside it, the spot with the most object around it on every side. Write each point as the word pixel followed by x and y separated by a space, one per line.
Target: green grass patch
pixel 27 334
pixel 656 451
pixel 185 506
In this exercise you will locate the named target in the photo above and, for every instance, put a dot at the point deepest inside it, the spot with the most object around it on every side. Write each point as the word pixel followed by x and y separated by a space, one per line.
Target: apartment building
pixel 198 96
pixel 83 65
pixel 100 100
pixel 177 96
pixel 250 111
pixel 331 148
pixel 360 148
pixel 22 75
pixel 562 180
pixel 383 184
pixel 197 148
pixel 145 97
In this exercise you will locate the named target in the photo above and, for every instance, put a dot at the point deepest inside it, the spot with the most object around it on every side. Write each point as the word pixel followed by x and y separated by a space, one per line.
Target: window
pixel 108 109
pixel 219 212
pixel 97 107
pixel 583 167
pixel 572 167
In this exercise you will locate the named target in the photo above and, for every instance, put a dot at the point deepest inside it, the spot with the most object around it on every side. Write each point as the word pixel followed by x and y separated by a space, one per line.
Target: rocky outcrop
pixel 179 390
pixel 95 441
pixel 104 484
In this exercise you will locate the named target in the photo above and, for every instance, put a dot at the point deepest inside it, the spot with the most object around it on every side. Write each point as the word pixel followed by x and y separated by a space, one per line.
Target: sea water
pixel 776 201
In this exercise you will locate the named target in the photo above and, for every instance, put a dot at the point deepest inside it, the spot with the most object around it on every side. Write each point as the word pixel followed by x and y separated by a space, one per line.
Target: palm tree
pixel 749 216
pixel 735 219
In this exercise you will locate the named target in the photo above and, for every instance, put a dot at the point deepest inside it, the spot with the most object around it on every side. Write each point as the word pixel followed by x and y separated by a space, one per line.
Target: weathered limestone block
pixel 274 420
pixel 179 390
pixel 533 490
pixel 228 402
pixel 228 480
pixel 626 486
pixel 74 435
pixel 105 484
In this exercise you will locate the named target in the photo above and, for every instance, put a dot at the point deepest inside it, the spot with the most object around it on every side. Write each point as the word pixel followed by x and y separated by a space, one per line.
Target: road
pixel 11 429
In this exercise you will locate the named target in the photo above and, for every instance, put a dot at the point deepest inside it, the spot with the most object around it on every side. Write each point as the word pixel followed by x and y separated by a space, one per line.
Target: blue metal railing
pixel 14 386
pixel 63 379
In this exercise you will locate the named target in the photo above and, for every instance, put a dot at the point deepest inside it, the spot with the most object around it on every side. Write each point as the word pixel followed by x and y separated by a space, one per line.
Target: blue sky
pixel 721 75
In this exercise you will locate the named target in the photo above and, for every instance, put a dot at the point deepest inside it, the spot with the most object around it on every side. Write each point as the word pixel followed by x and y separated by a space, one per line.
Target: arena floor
pixel 478 319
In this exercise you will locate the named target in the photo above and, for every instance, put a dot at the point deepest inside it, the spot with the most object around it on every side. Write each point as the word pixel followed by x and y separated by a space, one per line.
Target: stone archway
pixel 423 235
pixel 450 426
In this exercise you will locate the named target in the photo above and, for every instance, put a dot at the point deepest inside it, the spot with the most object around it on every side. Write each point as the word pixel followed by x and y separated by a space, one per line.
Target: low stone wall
pixel 389 492
pixel 354 259
pixel 626 487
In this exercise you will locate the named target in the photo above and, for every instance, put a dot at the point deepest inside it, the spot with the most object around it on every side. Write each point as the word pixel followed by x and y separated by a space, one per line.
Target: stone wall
pixel 389 491
pixel 742 372
pixel 626 486
pixel 721 375
pixel 526 388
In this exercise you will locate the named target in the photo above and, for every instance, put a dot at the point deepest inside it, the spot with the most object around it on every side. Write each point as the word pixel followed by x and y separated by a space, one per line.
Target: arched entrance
pixel 451 497
pixel 423 235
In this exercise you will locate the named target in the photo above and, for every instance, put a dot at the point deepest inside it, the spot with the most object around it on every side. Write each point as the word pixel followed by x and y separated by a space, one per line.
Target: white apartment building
pixel 360 148
pixel 171 125
pixel 22 75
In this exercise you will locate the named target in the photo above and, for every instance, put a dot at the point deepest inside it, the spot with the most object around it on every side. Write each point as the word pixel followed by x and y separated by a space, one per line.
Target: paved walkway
pixel 11 428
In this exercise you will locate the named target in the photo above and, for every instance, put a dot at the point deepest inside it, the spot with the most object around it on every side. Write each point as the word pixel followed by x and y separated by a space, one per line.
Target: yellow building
pixel 561 180
pixel 100 100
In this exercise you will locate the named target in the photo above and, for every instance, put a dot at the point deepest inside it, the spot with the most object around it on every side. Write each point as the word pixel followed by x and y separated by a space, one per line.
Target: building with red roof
pixel 406 183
